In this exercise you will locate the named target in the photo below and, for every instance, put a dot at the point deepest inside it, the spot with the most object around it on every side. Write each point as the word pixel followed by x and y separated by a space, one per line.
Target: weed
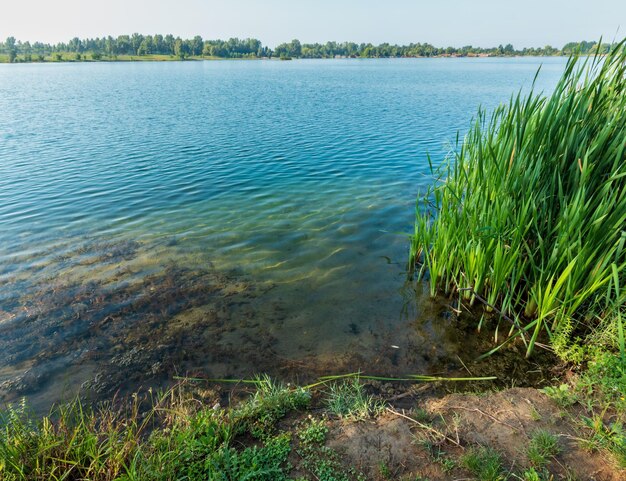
pixel 324 463
pixel 421 415
pixel 543 445
pixel 270 402
pixel 605 378
pixel 313 432
pixel 185 442
pixel 441 457
pixel 611 437
pixel 347 399
pixel 484 463
pixel 563 395
pixel 534 414
pixel 384 470
pixel 532 474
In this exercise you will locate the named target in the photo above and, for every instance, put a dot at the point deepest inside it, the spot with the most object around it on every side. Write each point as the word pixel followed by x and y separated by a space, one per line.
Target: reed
pixel 528 216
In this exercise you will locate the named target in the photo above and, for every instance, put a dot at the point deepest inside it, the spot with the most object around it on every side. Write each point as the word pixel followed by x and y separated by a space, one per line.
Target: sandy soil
pixel 428 445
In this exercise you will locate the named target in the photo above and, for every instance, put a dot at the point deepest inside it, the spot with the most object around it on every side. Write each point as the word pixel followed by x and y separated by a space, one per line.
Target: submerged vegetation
pixel 168 47
pixel 528 218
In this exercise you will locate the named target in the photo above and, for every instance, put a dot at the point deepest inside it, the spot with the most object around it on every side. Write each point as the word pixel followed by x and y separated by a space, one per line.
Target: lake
pixel 225 218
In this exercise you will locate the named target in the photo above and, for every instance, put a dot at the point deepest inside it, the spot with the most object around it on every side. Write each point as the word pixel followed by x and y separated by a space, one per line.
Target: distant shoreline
pixel 167 58
pixel 160 48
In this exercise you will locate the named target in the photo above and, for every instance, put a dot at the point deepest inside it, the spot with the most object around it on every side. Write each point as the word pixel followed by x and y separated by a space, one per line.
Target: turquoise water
pixel 266 201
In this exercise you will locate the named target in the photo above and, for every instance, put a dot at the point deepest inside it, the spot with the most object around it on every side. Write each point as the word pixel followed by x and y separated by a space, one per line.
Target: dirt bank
pixel 429 441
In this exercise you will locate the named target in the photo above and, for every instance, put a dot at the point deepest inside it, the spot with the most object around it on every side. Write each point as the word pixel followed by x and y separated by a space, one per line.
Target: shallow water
pixel 224 218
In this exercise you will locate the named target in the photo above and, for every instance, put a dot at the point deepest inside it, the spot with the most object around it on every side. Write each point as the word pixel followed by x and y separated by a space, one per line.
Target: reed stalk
pixel 529 213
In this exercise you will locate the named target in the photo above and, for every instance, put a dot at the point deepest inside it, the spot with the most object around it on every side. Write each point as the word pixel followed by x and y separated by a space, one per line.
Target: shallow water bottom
pixel 222 219
pixel 116 316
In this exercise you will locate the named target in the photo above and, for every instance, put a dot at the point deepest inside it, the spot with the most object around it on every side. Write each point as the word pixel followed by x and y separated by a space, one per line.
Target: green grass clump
pixel 563 395
pixel 543 445
pixel 348 399
pixel 71 443
pixel 605 379
pixel 529 217
pixel 484 463
pixel 173 438
pixel 321 461
pixel 313 432
pixel 609 436
pixel 270 402
pixel 531 474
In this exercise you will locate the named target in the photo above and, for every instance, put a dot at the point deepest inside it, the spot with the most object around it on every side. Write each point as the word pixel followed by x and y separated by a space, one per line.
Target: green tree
pixel 181 49
pixel 144 48
pixel 75 45
pixel 158 44
pixel 135 42
pixel 169 44
pixel 197 45
pixel 548 50
pixel 295 48
pixel 11 50
pixel 123 45
pixel 110 46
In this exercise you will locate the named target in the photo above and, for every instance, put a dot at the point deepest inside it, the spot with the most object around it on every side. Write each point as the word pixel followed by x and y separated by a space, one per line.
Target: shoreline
pixel 4 58
pixel 344 428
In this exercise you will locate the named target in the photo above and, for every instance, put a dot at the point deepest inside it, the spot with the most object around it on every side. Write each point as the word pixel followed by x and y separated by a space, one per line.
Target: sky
pixel 482 23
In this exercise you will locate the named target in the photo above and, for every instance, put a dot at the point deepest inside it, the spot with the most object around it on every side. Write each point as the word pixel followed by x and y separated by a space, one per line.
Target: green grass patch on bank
pixel 484 463
pixel 175 439
pixel 528 218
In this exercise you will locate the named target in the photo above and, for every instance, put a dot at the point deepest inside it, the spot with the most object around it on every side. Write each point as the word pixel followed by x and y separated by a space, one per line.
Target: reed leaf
pixel 529 212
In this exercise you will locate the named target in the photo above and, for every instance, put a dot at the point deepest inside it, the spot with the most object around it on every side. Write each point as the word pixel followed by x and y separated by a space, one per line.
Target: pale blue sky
pixel 444 23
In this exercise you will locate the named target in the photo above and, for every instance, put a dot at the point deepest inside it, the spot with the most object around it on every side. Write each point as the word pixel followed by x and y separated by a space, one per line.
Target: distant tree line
pixel 385 50
pixel 138 45
pixel 142 45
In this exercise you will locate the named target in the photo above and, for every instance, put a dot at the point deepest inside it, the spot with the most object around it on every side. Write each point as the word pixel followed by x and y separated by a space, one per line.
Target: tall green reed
pixel 529 214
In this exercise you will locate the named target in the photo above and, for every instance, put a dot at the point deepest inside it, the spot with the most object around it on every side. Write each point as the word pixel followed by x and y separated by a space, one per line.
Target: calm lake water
pixel 224 218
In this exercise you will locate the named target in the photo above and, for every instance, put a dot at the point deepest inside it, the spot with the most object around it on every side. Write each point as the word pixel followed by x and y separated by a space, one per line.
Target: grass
pixel 175 436
pixel 528 217
pixel 563 395
pixel 532 474
pixel 171 436
pixel 605 380
pixel 71 443
pixel 608 436
pixel 174 439
pixel 348 399
pixel 484 463
pixel 321 461
pixel 270 402
pixel 542 447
